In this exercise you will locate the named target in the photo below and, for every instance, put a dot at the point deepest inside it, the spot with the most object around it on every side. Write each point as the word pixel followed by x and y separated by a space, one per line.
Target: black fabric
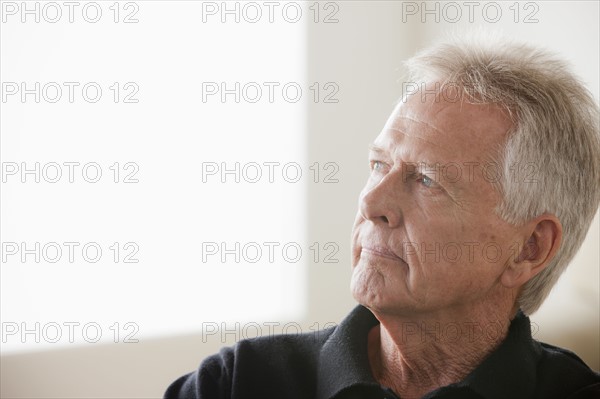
pixel 333 363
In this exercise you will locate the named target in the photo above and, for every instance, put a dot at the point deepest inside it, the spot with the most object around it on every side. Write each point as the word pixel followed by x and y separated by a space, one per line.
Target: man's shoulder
pixel 555 359
pixel 266 366
pixel 273 350
pixel 561 373
pixel 523 367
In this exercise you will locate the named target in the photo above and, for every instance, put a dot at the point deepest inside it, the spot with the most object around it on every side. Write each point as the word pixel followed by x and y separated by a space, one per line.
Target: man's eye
pixel 376 166
pixel 427 181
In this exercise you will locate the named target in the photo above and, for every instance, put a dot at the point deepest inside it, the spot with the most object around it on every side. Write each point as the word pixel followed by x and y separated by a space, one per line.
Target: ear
pixel 544 236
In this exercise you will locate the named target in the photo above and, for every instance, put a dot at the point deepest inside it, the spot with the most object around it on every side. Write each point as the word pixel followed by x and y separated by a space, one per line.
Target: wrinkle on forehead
pixel 410 112
pixel 456 121
pixel 429 125
pixel 413 136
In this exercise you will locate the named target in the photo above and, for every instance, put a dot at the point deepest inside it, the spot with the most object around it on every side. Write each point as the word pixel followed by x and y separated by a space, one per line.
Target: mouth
pixel 382 252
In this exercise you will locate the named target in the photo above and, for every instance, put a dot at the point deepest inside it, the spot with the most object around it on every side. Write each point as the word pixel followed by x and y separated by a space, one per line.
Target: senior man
pixel 483 184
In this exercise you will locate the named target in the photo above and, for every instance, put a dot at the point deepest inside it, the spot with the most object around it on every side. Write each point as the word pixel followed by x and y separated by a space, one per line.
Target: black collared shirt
pixel 333 363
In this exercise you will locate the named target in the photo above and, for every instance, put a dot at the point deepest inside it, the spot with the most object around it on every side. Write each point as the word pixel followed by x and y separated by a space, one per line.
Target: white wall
pixel 362 54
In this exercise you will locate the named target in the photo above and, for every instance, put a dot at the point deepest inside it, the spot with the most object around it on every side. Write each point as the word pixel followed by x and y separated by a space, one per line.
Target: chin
pixel 368 293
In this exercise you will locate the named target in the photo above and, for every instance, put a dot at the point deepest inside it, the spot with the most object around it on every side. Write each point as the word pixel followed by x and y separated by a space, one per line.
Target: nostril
pixel 385 219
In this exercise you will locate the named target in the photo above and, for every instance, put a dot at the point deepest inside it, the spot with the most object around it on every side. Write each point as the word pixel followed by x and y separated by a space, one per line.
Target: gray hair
pixel 555 130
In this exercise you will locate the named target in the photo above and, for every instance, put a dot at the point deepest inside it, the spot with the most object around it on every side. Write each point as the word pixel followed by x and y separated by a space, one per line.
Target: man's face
pixel 426 238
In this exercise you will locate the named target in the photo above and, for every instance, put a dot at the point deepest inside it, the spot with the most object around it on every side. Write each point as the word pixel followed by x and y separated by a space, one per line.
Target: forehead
pixel 458 129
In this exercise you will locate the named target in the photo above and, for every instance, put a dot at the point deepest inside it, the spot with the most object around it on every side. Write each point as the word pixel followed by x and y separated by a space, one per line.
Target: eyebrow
pixel 420 164
pixel 374 148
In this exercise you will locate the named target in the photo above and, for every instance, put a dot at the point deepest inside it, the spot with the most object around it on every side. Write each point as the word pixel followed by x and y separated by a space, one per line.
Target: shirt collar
pixel 344 360
pixel 509 371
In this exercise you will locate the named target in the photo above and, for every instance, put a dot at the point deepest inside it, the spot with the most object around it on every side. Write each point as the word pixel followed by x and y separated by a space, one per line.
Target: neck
pixel 415 354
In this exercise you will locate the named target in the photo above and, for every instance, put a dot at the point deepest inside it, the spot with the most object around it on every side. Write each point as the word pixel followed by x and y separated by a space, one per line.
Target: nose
pixel 381 202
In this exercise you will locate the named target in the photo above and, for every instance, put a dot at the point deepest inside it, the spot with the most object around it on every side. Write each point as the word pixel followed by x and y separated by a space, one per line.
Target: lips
pixel 383 252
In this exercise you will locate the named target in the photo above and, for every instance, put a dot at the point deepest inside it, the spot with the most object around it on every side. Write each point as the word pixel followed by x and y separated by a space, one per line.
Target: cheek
pixel 355 240
pixel 434 241
pixel 445 247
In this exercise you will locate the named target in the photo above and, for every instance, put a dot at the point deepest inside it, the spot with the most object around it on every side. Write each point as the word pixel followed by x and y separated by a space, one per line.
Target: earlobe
pixel 514 275
pixel 536 253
